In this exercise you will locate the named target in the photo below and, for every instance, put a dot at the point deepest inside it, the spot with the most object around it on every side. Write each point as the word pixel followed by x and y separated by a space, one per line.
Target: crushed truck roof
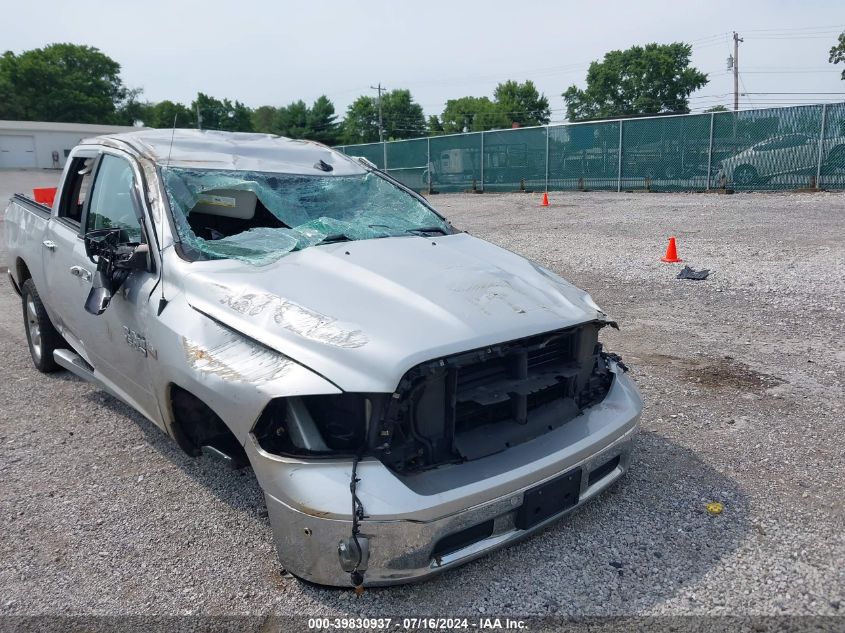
pixel 238 151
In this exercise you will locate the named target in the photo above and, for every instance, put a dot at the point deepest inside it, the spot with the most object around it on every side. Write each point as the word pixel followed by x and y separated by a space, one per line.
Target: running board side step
pixel 74 363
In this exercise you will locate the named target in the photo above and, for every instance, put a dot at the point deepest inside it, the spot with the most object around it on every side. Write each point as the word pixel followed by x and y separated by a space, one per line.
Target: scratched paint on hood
pixel 486 288
pixel 237 359
pixel 297 319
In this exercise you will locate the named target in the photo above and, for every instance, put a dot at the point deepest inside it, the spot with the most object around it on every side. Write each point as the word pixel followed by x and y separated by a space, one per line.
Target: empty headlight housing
pixel 329 425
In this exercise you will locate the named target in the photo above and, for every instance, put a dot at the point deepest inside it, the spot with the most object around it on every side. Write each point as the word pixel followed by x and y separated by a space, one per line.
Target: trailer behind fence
pixel 771 149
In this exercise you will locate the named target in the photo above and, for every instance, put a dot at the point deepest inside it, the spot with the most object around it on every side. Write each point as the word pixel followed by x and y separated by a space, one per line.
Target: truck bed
pixel 24 223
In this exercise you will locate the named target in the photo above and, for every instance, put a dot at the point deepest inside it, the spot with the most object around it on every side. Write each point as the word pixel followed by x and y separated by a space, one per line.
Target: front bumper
pixel 309 502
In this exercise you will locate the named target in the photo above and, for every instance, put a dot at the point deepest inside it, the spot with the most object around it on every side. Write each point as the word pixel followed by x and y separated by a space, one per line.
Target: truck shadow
pixel 237 488
pixel 641 543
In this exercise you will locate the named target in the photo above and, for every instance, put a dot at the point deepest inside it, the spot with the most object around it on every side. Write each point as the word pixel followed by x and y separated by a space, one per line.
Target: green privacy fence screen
pixel 764 150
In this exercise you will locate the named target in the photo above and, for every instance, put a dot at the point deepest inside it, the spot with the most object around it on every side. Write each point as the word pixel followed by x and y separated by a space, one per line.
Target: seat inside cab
pixel 222 213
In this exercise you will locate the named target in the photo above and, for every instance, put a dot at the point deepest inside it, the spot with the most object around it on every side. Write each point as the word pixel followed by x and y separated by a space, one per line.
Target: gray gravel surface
pixel 742 378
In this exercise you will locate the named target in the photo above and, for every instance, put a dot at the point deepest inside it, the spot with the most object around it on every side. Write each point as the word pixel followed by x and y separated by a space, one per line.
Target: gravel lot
pixel 742 378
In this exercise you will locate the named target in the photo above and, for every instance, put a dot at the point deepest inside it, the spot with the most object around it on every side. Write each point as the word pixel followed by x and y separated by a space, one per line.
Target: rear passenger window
pixel 77 189
pixel 111 203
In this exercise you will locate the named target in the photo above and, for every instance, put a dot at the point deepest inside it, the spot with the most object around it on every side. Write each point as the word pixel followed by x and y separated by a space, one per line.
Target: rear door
pixel 66 276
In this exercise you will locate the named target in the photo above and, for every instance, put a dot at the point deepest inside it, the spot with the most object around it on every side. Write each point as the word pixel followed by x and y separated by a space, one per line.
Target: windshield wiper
pixel 427 229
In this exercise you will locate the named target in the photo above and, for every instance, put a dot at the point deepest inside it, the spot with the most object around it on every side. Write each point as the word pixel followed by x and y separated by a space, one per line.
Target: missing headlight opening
pixel 453 409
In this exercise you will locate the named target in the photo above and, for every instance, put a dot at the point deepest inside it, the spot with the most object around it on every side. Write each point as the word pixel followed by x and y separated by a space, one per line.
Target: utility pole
pixel 380 88
pixel 737 40
pixel 199 116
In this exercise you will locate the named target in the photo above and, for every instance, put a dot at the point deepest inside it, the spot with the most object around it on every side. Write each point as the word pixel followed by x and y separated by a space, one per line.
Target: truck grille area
pixel 477 403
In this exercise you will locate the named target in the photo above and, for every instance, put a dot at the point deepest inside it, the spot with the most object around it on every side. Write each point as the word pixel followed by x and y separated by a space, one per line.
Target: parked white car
pixel 785 154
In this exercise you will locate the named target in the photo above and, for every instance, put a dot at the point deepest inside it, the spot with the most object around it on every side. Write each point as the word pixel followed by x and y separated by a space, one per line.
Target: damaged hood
pixel 362 313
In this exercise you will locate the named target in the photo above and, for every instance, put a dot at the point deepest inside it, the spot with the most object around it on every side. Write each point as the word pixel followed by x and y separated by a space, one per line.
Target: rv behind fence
pixel 800 147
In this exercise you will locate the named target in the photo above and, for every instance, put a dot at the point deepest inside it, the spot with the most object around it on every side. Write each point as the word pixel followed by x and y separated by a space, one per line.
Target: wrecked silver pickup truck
pixel 408 396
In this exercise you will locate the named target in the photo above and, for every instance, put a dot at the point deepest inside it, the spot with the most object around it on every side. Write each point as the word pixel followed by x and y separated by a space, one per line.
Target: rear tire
pixel 42 337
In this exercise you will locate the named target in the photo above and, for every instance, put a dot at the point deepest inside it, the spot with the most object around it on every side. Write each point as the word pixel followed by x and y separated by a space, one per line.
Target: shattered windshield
pixel 258 217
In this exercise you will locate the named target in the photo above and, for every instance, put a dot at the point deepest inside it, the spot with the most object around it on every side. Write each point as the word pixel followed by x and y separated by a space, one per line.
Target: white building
pixel 36 144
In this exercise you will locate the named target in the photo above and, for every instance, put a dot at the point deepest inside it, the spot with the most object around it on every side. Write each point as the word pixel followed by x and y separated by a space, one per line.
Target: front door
pixel 116 339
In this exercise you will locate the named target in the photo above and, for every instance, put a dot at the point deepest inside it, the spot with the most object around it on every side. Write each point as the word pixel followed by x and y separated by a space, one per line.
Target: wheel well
pixel 23 271
pixel 195 424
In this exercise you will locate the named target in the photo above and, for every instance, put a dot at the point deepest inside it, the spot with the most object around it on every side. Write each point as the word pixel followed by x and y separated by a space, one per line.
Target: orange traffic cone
pixel 671 255
pixel 545 201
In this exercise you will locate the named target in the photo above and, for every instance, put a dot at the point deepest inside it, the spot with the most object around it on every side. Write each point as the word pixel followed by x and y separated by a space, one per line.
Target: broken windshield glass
pixel 258 217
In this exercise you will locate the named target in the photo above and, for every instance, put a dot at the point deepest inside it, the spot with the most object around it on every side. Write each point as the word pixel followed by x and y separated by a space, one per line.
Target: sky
pixel 273 53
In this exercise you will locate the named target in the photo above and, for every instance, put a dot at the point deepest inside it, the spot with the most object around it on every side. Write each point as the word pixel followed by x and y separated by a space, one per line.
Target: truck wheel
pixel 42 337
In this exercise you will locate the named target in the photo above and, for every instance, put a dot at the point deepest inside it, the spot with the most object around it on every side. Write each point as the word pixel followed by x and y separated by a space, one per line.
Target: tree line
pixel 81 84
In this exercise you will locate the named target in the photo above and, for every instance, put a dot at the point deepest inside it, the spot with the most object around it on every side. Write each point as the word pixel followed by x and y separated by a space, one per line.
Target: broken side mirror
pixel 100 294
pixel 115 260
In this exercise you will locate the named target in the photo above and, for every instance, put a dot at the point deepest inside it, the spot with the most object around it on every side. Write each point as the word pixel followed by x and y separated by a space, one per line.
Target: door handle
pixel 79 271
pixel 50 245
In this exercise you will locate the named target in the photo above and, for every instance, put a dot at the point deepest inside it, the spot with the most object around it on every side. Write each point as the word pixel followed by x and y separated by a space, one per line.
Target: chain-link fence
pixel 771 149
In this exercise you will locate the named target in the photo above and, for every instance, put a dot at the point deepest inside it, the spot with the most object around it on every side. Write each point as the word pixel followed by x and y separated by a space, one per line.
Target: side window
pixel 796 140
pixel 76 189
pixel 111 200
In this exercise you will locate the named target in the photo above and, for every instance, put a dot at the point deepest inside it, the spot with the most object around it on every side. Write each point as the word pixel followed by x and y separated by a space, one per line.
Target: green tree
pixel 263 119
pixel 403 118
pixel 292 120
pixel 322 122
pixel 361 122
pixel 61 82
pixel 222 115
pixel 11 104
pixel 296 120
pixel 717 108
pixel 837 52
pixel 522 103
pixel 435 126
pixel 473 114
pixel 163 113
pixel 132 110
pixel 640 80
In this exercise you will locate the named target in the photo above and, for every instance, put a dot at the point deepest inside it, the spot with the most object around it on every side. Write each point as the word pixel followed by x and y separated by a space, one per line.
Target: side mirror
pixel 100 294
pixel 115 260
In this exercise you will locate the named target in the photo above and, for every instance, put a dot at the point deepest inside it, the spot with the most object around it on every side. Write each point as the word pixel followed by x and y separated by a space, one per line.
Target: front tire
pixel 745 176
pixel 42 337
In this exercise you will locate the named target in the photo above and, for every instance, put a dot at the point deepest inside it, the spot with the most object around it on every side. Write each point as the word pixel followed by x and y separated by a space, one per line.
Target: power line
pixel 787 72
pixel 796 93
pixel 796 28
